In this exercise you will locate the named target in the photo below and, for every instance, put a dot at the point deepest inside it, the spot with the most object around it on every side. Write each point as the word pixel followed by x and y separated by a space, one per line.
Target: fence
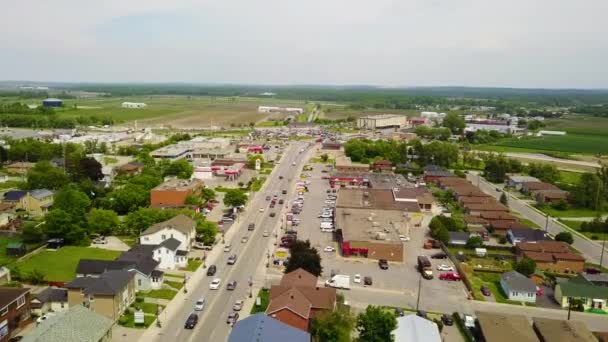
pixel 462 273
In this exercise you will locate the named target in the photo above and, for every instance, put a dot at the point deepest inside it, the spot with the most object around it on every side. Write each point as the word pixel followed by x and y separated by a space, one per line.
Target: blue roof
pixel 261 328
pixel 14 195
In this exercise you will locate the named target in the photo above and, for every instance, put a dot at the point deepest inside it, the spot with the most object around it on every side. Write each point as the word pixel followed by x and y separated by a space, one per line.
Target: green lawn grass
pixel 128 320
pixel 265 299
pixel 492 281
pixel 149 308
pixel 175 284
pixel 129 240
pixel 569 178
pixel 175 275
pixel 193 265
pixel 570 212
pixel 529 223
pixel 576 225
pixel 5 259
pixel 161 294
pixel 61 265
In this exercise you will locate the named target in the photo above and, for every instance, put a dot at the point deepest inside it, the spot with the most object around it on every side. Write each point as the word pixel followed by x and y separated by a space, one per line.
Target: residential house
pixel 579 289
pixel 382 166
pixel 491 215
pixel 77 324
pixel 16 198
pixel 39 201
pixel 413 328
pixel 298 299
pixel 474 222
pixel 174 192
pixel 518 287
pixel 167 254
pixel 551 196
pixel 600 279
pixel 501 227
pixel 458 238
pixel 130 169
pixel 516 181
pixel 465 200
pixel 14 311
pixel 477 209
pixel 181 227
pixel 529 187
pixel 261 328
pixel 142 263
pixel 554 330
pixel 435 176
pixel 502 327
pixel 19 168
pixel 7 213
pixel 516 236
pixel 551 256
pixel 108 295
pixel 479 231
pixel 50 299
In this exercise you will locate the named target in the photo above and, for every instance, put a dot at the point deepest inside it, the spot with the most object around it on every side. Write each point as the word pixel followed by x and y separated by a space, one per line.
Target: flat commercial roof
pixel 373 199
pixel 499 327
pixel 179 185
pixel 555 330
pixel 382 226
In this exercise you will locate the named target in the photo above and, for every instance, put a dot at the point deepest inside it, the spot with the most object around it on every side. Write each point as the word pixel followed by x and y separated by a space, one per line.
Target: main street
pixel 212 320
pixel 590 249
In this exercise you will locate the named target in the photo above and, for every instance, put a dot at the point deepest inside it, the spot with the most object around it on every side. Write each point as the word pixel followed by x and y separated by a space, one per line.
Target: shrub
pixel 565 237
pixel 139 299
pixel 560 205
pixel 594 237
pixel 502 240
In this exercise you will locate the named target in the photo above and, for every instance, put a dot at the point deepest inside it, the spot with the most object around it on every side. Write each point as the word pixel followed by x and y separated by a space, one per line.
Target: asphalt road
pixel 590 249
pixel 212 320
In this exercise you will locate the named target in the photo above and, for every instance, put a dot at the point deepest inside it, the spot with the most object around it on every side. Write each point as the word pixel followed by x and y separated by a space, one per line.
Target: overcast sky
pixel 516 43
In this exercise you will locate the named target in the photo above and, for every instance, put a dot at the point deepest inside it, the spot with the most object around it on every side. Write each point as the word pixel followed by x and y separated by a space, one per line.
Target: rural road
pixel 212 320
pixel 590 249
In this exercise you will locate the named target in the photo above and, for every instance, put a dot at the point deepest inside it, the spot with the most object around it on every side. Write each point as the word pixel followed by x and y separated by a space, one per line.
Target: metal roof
pixel 261 328
pixel 78 324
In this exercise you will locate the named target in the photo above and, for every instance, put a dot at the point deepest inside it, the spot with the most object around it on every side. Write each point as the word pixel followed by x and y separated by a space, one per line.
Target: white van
pixel 327 225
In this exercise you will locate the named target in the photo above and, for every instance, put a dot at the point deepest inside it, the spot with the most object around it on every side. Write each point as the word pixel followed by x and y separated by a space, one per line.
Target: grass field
pixel 264 299
pixel 61 265
pixel 570 212
pixel 576 225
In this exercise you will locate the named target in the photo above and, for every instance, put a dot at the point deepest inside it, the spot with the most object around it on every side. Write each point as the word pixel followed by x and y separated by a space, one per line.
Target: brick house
pixel 477 209
pixel 174 192
pixel 551 196
pixel 530 187
pixel 14 311
pixel 501 227
pixel 552 256
pixel 382 166
pixel 297 299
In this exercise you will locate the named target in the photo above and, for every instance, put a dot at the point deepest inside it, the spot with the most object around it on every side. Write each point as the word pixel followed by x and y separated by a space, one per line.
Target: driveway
pixel 114 244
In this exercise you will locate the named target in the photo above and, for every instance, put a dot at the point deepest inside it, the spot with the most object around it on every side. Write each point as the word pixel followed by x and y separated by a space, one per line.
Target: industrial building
pixel 382 121
pixel 270 109
pixel 173 193
pixel 133 105
pixel 52 102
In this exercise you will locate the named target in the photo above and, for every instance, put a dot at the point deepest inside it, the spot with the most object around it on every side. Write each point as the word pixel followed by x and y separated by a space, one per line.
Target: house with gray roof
pixel 262 328
pixel 181 227
pixel 518 287
pixel 50 299
pixel 458 238
pixel 147 276
pixel 109 294
pixel 78 324
pixel 413 328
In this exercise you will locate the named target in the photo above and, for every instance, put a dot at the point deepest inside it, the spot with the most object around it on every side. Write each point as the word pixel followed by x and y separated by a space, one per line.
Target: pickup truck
pixel 424 266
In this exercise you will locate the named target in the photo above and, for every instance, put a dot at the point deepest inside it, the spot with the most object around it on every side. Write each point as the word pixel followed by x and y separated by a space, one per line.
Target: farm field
pixel 61 265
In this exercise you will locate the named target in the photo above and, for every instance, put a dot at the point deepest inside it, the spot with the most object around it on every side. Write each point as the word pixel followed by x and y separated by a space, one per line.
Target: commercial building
pixel 553 330
pixel 133 105
pixel 14 311
pixel 369 222
pixel 274 109
pixel 173 193
pixel 172 152
pixel 501 327
pixel 78 324
pixel 382 121
pixel 52 102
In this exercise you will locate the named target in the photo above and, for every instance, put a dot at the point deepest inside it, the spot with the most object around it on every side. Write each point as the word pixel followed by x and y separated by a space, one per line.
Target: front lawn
pixel 175 284
pixel 193 265
pixel 128 320
pixel 60 265
pixel 149 308
pixel 265 299
pixel 161 294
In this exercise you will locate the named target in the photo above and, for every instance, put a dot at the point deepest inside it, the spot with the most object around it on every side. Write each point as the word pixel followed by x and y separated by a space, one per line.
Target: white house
pixel 138 260
pixel 518 287
pixel 133 105
pixel 181 227
pixel 51 299
pixel 169 256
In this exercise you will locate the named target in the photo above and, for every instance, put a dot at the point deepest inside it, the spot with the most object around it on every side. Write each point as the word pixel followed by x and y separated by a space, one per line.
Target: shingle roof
pixel 562 331
pixel 10 294
pixel 501 327
pixel 78 324
pixel 143 262
pixel 52 294
pixel 41 193
pixel 261 328
pixel 299 277
pixel 413 328
pixel 180 222
pixel 109 283
pixel 14 195
pixel 94 266
pixel 577 288
pixel 518 282
pixel 528 234
pixel 507 224
pixel 293 300
pixel 171 244
pixel 459 236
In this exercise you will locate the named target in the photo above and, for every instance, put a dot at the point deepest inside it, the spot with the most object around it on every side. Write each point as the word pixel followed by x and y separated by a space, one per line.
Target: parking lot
pixel 402 277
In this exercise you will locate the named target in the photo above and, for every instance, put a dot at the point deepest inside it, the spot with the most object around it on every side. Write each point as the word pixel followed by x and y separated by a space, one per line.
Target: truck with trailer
pixel 425 268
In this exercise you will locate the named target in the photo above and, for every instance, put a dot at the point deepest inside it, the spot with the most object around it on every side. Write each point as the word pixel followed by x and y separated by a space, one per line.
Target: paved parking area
pixel 402 277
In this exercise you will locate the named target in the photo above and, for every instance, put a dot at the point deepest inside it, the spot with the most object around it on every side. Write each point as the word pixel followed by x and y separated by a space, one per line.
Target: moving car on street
pixel 200 304
pixel 231 285
pixel 383 263
pixel 215 284
pixel 232 318
pixel 191 321
pixel 238 305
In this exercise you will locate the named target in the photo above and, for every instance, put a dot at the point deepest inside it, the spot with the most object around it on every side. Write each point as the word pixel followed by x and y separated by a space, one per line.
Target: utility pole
pixel 546 222
pixel 602 255
pixel 419 285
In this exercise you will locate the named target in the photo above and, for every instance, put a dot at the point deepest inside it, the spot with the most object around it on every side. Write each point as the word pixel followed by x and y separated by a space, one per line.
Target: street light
pixel 419 285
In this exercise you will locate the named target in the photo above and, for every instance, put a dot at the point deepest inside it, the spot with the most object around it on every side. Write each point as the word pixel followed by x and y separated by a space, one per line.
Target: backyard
pixel 60 265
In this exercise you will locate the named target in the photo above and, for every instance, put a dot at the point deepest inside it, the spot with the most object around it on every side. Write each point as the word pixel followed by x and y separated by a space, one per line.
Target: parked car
pixel 200 245
pixel 399 312
pixel 404 238
pixel 450 276
pixel 215 284
pixel 244 239
pixel 592 270
pixel 268 198
pixel 284 192
pixel 444 267
pixel 469 321
pixel 486 291
pixel 539 291
pixel 231 285
pixel 367 281
pixel 251 226
pixel 281 201
pixel 357 279
pixel 422 314
pixel 191 321
pixel 265 234
pixel 439 255
pixel 383 263
pixel 273 214
pixel 232 318
pixel 280 177
pixel 227 248
pixel 238 305
pixel 447 319
pixel 329 249
pixel 200 304
pixel 211 270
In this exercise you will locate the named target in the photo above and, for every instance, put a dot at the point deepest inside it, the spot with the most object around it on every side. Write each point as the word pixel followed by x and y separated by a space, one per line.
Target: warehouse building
pixel 52 102
pixel 382 121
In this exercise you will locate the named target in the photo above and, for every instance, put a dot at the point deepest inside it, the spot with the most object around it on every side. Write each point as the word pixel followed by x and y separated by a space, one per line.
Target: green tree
pixel 46 176
pixel 504 199
pixel 208 194
pixel 91 168
pixel 235 198
pixel 474 242
pixel 324 157
pixel 138 220
pixel 73 201
pixel 252 158
pixel 333 326
pixel 102 221
pixel 376 324
pixel 587 193
pixel 32 232
pixel 180 168
pixel 127 199
pixel 60 224
pixel 545 172
pixel 302 255
pixel 454 122
pixel 565 237
pixel 526 267
pixel 206 231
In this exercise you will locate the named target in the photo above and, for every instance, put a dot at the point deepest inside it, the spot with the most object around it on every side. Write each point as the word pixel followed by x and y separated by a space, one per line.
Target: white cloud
pixel 548 43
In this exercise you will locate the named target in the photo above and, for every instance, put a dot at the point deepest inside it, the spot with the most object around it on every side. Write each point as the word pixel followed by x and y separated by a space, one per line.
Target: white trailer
pixel 339 281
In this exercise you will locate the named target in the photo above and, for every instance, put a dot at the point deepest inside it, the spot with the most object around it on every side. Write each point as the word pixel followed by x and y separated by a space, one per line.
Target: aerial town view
pixel 324 171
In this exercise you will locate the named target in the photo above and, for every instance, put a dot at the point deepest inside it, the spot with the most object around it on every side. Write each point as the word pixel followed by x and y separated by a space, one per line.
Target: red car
pixel 450 276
